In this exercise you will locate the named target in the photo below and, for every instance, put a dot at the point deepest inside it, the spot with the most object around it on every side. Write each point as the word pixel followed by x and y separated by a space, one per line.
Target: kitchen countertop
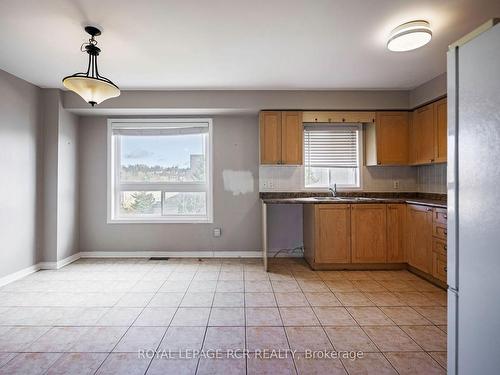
pixel 432 200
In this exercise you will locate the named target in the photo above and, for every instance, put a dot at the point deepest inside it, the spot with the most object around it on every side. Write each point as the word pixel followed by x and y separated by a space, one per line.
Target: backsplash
pixel 291 178
pixel 425 179
pixel 432 178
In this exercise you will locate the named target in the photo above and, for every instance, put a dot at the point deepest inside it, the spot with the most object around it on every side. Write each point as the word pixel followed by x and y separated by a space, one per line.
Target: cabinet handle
pixel 445 247
pixel 329 120
pixel 316 120
pixel 428 209
pixel 343 120
pixel 432 160
pixel 445 216
pixel 445 269
pixel 378 162
pixel 445 232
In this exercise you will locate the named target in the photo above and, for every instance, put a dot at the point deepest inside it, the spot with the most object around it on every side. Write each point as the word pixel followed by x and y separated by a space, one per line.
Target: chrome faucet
pixel 333 190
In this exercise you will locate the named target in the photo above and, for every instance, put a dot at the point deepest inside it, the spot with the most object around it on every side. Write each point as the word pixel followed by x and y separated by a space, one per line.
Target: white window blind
pixel 331 146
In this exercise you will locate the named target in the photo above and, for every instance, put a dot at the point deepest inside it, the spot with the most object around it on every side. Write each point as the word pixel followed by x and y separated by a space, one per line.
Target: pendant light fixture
pixel 91 86
pixel 409 36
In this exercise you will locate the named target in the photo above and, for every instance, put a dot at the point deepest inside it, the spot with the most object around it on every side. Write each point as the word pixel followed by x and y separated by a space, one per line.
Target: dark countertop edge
pixel 416 201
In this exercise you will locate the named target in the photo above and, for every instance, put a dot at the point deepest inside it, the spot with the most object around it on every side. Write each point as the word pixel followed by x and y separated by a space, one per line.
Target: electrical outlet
pixel 395 184
pixel 217 232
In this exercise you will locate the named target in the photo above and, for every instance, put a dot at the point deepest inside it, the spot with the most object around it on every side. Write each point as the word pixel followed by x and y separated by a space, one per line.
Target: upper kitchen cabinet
pixel 387 139
pixel 339 117
pixel 441 112
pixel 429 134
pixel 281 135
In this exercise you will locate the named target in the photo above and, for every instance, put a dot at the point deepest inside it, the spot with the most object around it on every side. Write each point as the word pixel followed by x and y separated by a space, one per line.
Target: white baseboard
pixel 18 275
pixel 171 254
pixel 60 263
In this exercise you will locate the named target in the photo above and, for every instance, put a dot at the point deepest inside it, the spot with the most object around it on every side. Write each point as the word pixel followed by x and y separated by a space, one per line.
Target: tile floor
pixel 93 316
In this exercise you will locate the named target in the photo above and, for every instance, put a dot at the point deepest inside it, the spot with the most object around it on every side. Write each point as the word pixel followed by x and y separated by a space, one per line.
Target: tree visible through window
pixel 160 170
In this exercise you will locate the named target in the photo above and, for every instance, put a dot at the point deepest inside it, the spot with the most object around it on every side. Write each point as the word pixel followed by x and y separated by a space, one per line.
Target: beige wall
pixel 235 146
pixel 21 170
pixel 429 91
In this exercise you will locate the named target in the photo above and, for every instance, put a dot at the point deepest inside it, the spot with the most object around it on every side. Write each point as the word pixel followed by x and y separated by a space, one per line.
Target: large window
pixel 332 156
pixel 160 170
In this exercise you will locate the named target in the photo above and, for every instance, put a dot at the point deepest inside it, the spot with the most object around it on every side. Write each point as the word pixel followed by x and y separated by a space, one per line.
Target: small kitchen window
pixel 160 171
pixel 332 155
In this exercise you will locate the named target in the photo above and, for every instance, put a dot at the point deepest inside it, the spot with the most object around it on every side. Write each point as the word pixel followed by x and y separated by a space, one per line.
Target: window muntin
pixel 160 171
pixel 332 155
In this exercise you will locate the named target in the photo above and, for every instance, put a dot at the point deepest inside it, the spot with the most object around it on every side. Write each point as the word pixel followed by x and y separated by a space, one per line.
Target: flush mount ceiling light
pixel 91 86
pixel 409 36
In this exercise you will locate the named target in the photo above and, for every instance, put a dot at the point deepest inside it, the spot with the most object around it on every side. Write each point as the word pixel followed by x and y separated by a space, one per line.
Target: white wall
pixel 235 144
pixel 20 194
pixel 428 91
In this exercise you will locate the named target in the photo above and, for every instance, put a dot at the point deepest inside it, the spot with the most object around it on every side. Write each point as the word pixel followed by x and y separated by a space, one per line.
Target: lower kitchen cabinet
pixel 419 236
pixel 327 233
pixel 396 230
pixel 369 233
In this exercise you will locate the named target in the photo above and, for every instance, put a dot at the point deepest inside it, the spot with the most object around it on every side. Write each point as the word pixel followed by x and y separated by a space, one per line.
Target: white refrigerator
pixel 474 202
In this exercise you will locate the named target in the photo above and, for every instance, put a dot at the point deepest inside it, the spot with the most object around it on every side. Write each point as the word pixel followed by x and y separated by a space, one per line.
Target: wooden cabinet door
pixel 392 138
pixel 369 233
pixel 270 137
pixel 424 132
pixel 396 230
pixel 292 135
pixel 333 233
pixel 441 114
pixel 419 240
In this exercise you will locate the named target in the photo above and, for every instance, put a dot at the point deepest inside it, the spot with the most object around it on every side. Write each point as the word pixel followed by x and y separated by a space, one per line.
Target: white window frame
pixel 113 169
pixel 360 164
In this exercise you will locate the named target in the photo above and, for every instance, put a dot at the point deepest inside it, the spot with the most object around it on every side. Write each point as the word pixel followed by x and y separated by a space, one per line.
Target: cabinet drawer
pixel 439 231
pixel 439 266
pixel 439 246
pixel 440 216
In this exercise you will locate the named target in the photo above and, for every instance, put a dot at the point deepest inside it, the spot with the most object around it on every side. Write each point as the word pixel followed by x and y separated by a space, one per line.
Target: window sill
pixel 161 221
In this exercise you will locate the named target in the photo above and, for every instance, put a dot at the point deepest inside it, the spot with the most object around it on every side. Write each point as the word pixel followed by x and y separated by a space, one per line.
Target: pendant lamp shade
pixel 90 85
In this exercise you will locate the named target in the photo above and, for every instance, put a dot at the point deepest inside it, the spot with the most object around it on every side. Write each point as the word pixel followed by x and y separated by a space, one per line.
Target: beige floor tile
pixel 437 315
pixel 438 297
pixel 124 364
pixel 285 286
pixel 166 300
pixel 174 365
pixel 155 317
pixel 291 299
pixel 227 316
pixel 30 363
pixel 140 338
pixel 341 285
pixel 6 357
pixel 16 339
pixel 430 338
pixel 213 366
pixel 263 316
pixel 234 299
pixel 391 339
pixel 414 298
pixel 385 299
pixel 224 338
pixel 350 339
pixel 98 339
pixel 440 357
pixel 369 364
pixel 369 316
pixel 322 299
pixel 298 316
pixel 197 300
pixel 368 286
pixel 266 338
pixel 423 286
pixel 231 275
pixel 404 315
pixel 334 316
pixel 260 366
pixel 353 299
pixel 357 275
pixel 256 275
pixel 415 364
pixel 191 316
pixel 314 366
pixel 77 363
pixel 183 338
pixel 305 275
pixel 305 339
pixel 397 285
pixel 443 328
pixel 119 316
pixel 224 286
pixel 330 275
pixel 260 300
pixel 206 275
pixel 313 286
pixel 58 339
pixel 258 286
pixel 135 299
pixel 177 286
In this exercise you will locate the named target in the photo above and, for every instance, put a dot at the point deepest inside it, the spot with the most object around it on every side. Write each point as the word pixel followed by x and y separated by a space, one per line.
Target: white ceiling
pixel 233 44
